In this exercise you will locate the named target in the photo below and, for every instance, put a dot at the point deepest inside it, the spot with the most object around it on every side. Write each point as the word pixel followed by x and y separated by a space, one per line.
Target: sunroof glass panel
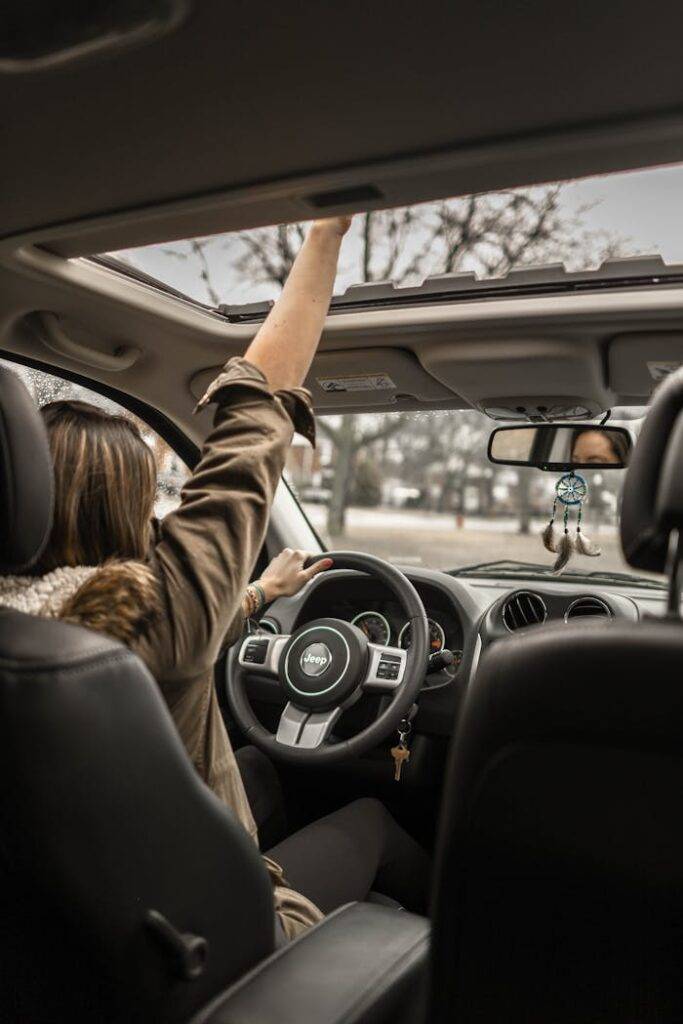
pixel 571 226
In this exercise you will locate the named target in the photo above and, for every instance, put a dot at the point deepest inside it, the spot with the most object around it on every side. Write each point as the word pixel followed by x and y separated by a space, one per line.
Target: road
pixel 413 537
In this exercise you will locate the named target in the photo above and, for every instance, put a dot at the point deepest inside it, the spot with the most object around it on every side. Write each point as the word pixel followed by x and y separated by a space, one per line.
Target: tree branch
pixel 387 430
pixel 197 248
pixel 367 246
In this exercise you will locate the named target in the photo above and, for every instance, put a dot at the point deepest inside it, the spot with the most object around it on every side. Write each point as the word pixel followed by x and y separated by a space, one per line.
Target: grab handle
pixel 56 338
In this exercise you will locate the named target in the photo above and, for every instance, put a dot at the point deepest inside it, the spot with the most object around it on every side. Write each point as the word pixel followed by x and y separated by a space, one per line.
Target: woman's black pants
pixel 346 855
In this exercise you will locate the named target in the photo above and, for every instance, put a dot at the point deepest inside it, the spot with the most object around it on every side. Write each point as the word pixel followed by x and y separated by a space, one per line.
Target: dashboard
pixel 467 615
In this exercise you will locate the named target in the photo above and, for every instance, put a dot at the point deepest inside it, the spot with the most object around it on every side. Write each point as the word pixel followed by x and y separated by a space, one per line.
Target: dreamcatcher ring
pixel 571 489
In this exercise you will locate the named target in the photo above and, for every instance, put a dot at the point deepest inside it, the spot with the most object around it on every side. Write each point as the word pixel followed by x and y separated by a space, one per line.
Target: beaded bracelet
pixel 251 599
pixel 256 599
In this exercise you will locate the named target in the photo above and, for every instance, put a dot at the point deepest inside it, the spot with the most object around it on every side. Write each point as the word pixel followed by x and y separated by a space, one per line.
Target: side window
pixel 171 470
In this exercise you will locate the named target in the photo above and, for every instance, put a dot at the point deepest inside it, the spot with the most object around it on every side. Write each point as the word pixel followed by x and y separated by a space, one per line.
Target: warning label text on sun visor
pixel 357 382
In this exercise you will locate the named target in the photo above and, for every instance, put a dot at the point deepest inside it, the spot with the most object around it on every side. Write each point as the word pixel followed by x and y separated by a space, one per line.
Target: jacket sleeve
pixel 207 547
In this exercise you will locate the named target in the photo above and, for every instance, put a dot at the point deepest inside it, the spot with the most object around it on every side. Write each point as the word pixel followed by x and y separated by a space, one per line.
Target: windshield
pixel 417 488
pixel 573 225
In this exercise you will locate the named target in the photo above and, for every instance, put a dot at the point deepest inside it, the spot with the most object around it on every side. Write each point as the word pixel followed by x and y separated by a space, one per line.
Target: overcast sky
pixel 646 206
pixel 643 208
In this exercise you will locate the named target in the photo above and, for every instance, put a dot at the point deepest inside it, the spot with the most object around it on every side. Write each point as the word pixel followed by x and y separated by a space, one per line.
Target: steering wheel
pixel 324 667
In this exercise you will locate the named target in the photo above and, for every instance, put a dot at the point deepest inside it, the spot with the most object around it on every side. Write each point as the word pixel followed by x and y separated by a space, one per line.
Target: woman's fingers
pixel 340 225
pixel 286 574
pixel 320 566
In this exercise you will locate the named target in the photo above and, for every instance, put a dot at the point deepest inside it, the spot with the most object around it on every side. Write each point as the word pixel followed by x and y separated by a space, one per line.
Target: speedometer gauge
pixel 437 637
pixel 375 627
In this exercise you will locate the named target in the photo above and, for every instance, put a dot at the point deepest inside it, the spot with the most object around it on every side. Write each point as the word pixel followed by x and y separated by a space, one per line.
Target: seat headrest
pixel 650 503
pixel 26 480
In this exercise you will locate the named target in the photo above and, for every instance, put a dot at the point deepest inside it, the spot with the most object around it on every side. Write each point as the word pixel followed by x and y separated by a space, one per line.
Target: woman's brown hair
pixel 105 483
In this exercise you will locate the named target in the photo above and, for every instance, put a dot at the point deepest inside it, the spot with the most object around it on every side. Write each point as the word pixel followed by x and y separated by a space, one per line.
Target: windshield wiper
pixel 502 567
pixel 621 577
pixel 525 570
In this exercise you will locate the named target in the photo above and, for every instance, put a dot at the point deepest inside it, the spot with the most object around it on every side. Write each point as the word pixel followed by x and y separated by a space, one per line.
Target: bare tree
pixel 349 439
pixel 454 446
pixel 270 252
pixel 198 248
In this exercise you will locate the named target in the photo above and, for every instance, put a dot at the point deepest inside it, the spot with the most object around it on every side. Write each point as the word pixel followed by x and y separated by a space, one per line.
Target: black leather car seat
pixel 128 892
pixel 559 894
pixel 26 480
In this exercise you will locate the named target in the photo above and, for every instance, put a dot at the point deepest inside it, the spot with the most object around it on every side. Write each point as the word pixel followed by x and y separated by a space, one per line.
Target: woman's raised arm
pixel 284 347
pixel 207 547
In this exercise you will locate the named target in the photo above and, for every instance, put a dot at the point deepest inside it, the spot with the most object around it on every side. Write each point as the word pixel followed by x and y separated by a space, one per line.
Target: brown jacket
pixel 202 559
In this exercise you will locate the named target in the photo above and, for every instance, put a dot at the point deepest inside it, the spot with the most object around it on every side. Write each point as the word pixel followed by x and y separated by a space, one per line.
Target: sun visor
pixel 364 379
pixel 522 378
pixel 639 362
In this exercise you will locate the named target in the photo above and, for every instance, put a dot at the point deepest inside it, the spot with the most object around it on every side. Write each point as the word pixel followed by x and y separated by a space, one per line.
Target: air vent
pixel 524 609
pixel 588 606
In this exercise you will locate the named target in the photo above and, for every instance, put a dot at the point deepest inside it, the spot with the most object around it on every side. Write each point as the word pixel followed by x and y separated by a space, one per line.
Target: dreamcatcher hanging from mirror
pixel 571 490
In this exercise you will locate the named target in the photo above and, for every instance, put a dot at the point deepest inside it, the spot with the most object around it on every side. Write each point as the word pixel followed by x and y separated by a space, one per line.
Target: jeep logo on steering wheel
pixel 314 659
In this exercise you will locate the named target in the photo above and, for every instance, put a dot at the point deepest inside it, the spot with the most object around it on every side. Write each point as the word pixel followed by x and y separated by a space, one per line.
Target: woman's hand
pixel 337 225
pixel 286 574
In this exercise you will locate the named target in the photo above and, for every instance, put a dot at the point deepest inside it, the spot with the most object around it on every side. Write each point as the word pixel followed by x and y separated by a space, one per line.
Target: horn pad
pixel 323 663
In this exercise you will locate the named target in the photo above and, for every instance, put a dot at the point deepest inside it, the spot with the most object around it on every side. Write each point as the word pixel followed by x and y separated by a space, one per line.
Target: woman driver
pixel 177 606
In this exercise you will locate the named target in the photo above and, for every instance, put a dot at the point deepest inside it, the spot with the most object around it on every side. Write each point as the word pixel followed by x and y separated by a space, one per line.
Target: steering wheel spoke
pixel 386 668
pixel 260 653
pixel 305 729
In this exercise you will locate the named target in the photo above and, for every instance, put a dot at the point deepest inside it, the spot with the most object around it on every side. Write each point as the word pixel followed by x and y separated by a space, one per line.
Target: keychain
pixel 400 752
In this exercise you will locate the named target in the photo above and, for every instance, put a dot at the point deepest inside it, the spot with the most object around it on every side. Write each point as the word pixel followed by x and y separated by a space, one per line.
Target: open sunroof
pixel 597 232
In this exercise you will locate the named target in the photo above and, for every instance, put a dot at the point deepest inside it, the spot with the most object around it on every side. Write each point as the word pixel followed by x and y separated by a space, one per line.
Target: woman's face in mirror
pixel 595 446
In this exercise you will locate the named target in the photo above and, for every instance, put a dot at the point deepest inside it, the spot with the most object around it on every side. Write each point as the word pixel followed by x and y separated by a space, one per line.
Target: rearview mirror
pixel 560 449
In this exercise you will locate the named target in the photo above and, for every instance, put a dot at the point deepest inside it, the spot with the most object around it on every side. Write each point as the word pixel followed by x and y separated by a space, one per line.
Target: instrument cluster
pixel 377 628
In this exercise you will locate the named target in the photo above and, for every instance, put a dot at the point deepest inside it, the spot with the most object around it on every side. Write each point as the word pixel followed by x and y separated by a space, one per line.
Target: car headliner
pixel 257 98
